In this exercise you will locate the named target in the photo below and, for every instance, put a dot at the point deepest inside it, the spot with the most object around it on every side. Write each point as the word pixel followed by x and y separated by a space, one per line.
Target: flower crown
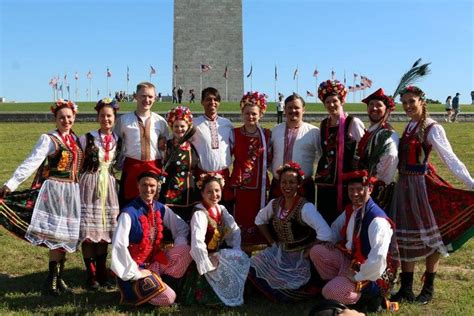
pixel 60 103
pixel 179 113
pixel 254 98
pixel 413 89
pixel 208 177
pixel 329 87
pixel 291 165
pixel 107 102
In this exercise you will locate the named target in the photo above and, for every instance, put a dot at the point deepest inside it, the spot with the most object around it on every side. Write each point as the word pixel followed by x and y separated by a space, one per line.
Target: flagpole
pixel 316 94
pixel 251 81
pixel 200 81
pixel 353 92
pixel 226 91
pixel 90 89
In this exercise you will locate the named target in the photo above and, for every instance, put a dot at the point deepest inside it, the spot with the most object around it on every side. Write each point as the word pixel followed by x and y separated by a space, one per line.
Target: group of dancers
pixel 197 213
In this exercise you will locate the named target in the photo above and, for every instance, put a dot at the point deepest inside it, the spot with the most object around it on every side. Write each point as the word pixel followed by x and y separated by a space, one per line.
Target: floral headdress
pixel 179 113
pixel 60 103
pixel 413 89
pixel 208 177
pixel 329 87
pixel 254 98
pixel 107 102
pixel 293 166
pixel 380 95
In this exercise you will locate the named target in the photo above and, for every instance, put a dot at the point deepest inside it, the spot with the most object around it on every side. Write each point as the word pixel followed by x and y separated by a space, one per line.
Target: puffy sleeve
pixel 313 218
pixel 264 215
pixel 437 138
pixel 122 263
pixel 198 244
pixel 357 129
pixel 178 227
pixel 44 147
pixel 387 166
pixel 380 235
pixel 233 239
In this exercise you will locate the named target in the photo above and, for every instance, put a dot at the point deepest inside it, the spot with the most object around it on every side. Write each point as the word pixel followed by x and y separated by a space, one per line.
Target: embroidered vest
pixel 326 171
pixel 292 233
pixel 413 153
pixel 138 209
pixel 91 155
pixel 60 164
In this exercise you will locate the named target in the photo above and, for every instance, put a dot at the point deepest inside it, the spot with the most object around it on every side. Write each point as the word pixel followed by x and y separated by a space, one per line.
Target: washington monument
pixel 208 33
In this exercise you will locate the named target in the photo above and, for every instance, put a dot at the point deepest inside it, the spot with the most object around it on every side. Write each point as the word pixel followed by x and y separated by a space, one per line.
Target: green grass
pixel 23 267
pixel 197 107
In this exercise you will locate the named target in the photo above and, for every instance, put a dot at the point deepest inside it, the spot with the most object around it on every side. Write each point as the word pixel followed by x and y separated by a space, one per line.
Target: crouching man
pixel 138 258
pixel 359 269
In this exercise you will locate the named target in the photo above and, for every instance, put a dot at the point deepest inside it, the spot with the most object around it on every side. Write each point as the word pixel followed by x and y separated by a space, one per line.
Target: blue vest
pixel 372 211
pixel 135 209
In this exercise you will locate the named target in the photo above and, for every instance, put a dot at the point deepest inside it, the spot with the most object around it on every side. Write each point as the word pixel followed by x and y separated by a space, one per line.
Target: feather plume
pixel 411 76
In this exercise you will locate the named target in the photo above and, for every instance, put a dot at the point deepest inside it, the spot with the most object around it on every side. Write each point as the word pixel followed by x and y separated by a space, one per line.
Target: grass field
pixel 196 107
pixel 24 267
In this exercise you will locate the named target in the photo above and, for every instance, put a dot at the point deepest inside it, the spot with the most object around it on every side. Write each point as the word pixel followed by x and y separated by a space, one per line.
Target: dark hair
pixel 148 174
pixel 106 102
pixel 449 97
pixel 294 96
pixel 210 91
pixel 285 169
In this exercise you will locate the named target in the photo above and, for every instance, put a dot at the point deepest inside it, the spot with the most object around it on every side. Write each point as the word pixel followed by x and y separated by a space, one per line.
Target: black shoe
pixel 405 293
pixel 63 287
pixel 426 294
pixel 51 286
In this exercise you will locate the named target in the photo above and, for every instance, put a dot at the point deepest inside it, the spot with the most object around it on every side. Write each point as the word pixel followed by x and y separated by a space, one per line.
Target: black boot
pixel 426 294
pixel 51 286
pixel 405 293
pixel 91 282
pixel 61 284
pixel 102 271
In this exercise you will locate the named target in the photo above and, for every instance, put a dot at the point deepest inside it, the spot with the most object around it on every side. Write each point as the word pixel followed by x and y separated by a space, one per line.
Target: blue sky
pixel 376 38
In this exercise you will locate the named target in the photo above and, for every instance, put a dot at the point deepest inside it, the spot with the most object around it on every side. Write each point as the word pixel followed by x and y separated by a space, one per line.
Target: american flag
pixel 65 77
pixel 152 70
pixel 205 67
pixel 316 73
pixel 226 73
pixel 89 75
pixel 309 94
pixel 355 76
pixel 250 72
pixel 53 82
pixel 295 74
pixel 76 76
pixel 109 74
pixel 276 73
pixel 333 74
pixel 366 81
pixel 128 74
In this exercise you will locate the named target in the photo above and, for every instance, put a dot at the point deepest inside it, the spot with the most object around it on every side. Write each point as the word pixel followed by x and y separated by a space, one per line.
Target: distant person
pixel 280 108
pixel 144 135
pixel 472 97
pixel 192 97
pixel 173 92
pixel 160 97
pixel 456 106
pixel 449 109
pixel 180 94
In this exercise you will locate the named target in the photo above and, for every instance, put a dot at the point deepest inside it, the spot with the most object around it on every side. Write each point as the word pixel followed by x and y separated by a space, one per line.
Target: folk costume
pixel 281 271
pixel 365 246
pixel 140 146
pixel 179 192
pixel 222 267
pixel 338 145
pixel 137 245
pixel 249 180
pixel 377 151
pixel 302 144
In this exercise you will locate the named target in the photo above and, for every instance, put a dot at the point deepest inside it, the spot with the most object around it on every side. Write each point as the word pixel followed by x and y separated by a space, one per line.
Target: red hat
pixel 380 95
pixel 361 176
pixel 151 172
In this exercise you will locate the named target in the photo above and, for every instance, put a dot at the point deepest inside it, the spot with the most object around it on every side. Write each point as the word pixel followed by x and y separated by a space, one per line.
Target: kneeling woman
pixel 291 225
pixel 224 269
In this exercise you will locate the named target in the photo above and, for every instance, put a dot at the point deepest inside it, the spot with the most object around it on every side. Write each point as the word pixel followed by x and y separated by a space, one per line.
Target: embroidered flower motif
pixel 63 162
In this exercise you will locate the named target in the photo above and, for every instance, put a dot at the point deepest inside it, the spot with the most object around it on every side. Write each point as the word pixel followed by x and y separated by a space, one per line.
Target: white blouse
pixel 122 263
pixel 213 159
pixel 43 148
pixel 380 234
pixel 309 215
pixel 199 225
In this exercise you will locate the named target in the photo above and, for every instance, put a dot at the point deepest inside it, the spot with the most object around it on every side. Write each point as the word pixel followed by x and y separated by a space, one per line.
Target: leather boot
pixel 51 283
pixel 427 292
pixel 405 293
pixel 102 271
pixel 91 282
pixel 61 284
